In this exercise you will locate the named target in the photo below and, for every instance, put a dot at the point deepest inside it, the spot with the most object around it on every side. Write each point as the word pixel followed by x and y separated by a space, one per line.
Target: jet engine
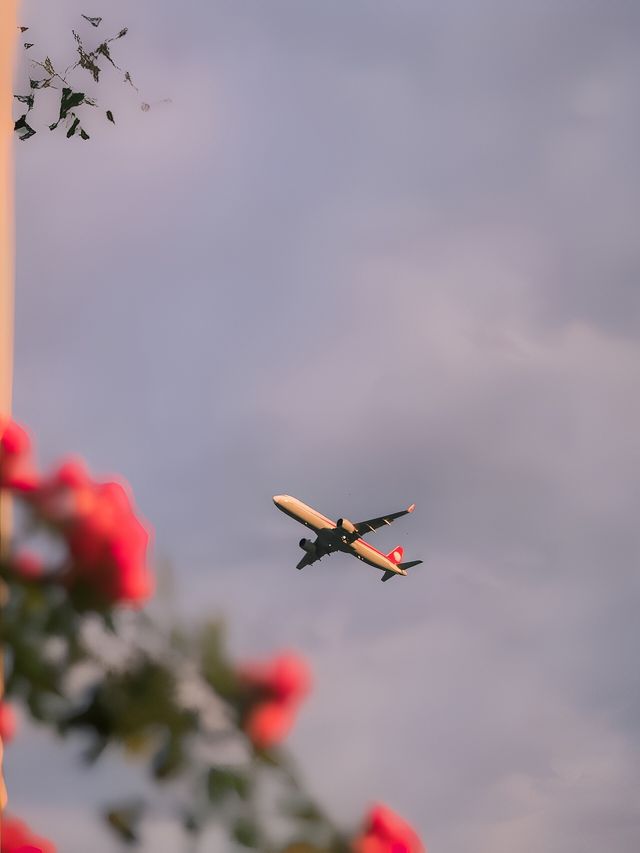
pixel 308 546
pixel 346 525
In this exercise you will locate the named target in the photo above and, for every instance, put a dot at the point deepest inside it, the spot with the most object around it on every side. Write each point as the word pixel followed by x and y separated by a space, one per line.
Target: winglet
pixel 411 508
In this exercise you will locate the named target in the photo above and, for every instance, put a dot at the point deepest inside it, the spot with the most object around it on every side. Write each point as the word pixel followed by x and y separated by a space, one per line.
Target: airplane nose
pixel 278 499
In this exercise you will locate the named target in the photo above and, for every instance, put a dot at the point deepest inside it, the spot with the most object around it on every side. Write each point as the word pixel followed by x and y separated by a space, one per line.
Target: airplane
pixel 343 535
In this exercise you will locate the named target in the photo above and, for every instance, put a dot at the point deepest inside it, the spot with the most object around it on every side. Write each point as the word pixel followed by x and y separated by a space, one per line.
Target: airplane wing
pixel 374 523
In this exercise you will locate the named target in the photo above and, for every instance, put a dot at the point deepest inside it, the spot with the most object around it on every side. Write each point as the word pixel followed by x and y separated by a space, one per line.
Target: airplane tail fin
pixel 396 555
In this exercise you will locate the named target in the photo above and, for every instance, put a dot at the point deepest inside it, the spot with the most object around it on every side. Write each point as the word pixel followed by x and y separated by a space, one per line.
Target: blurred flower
pixel 385 832
pixel 18 838
pixel 17 470
pixel 27 565
pixel 107 542
pixel 8 722
pixel 268 723
pixel 285 677
pixel 276 689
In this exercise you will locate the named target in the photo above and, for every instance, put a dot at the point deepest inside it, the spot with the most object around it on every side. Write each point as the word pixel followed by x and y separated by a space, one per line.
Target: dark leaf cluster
pixel 89 60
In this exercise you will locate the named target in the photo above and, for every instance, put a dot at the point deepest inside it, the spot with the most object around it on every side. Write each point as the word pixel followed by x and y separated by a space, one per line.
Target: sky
pixel 371 253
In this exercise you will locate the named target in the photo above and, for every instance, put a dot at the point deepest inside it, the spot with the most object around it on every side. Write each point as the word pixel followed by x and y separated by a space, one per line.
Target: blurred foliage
pixel 70 83
pixel 171 701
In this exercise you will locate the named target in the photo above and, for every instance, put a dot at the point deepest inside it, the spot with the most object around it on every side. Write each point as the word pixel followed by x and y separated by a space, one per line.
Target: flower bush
pixel 106 541
pixel 171 699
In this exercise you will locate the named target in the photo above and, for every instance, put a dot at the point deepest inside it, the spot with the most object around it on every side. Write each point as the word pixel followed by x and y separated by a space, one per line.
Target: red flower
pixel 276 689
pixel 17 470
pixel 268 723
pixel 27 566
pixel 107 541
pixel 385 832
pixel 286 677
pixel 18 838
pixel 64 494
pixel 8 722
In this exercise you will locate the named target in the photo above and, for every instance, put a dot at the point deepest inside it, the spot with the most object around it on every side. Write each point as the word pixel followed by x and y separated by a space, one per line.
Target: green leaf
pixel 122 33
pixel 86 60
pixel 25 99
pixel 191 823
pixel 48 66
pixel 68 101
pixel 214 666
pixel 219 785
pixel 28 44
pixel 95 22
pixel 124 821
pixel 180 640
pixel 23 29
pixel 95 749
pixel 103 50
pixel 304 810
pixel 108 621
pixel 269 757
pixel 73 127
pixel 169 760
pixel 36 705
pixel 61 620
pixel 245 832
pixel 29 664
pixel 35 602
pixel 39 84
pixel 127 79
pixel 223 782
pixel 76 127
pixel 23 130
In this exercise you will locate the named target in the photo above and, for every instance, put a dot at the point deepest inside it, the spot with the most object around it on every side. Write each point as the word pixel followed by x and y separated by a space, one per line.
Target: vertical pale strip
pixel 8 33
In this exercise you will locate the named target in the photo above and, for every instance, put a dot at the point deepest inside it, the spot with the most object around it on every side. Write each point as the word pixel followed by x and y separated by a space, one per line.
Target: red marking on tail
pixel 396 555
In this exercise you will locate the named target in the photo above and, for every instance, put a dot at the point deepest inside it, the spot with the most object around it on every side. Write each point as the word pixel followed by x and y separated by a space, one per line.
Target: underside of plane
pixel 343 535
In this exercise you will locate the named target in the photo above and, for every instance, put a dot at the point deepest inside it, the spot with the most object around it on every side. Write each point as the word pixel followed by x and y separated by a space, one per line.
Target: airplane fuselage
pixel 332 537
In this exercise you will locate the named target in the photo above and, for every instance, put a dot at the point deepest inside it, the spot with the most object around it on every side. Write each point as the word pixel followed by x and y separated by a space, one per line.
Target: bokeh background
pixel 371 253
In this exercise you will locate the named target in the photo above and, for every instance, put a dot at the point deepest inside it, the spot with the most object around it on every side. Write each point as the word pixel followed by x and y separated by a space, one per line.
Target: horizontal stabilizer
pixel 410 564
pixel 387 576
